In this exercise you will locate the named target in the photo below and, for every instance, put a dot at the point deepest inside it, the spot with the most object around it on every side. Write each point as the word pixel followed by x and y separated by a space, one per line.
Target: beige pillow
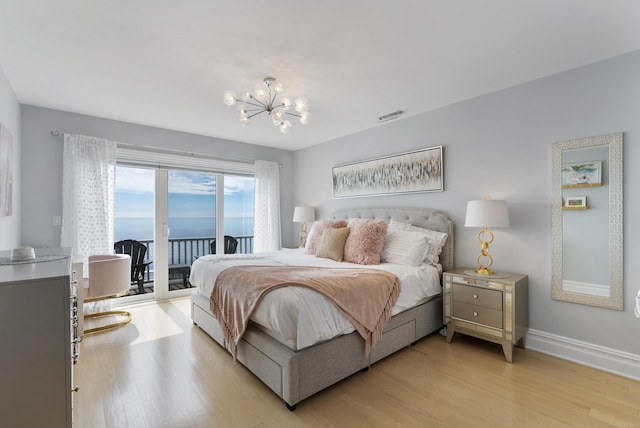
pixel 316 232
pixel 331 245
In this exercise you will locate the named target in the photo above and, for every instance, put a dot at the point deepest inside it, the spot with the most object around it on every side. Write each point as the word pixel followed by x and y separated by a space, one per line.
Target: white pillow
pixel 311 232
pixel 404 248
pixel 435 239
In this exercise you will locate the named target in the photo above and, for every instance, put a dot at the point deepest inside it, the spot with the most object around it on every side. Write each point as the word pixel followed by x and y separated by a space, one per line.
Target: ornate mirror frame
pixel 615 299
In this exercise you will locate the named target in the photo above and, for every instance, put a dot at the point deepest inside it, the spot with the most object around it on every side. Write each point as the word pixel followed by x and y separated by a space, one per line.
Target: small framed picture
pixel 575 203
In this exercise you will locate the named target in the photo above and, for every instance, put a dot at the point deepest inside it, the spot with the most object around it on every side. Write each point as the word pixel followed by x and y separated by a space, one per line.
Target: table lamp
pixel 303 215
pixel 486 213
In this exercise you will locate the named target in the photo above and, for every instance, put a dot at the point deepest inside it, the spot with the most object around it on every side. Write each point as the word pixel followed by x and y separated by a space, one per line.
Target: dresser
pixel 493 308
pixel 38 347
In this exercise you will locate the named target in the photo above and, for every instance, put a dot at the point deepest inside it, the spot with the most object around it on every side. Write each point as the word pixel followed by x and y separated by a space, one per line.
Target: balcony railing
pixel 183 251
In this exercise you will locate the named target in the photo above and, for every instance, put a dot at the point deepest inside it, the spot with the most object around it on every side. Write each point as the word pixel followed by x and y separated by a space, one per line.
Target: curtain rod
pixel 57 133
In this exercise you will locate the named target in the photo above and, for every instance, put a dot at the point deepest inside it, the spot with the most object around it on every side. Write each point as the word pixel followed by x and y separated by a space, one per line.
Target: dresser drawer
pixel 478 296
pixel 478 314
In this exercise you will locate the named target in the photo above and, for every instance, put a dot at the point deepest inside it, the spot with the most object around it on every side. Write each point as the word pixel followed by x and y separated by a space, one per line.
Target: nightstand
pixel 493 308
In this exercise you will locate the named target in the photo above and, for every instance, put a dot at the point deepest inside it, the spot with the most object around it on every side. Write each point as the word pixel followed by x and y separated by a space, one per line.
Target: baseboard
pixel 606 359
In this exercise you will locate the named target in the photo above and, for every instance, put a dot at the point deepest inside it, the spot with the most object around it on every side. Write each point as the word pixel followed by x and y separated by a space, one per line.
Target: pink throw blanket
pixel 366 297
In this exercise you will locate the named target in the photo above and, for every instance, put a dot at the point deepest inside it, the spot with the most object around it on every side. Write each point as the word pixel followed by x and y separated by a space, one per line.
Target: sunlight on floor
pixel 153 320
pixel 160 317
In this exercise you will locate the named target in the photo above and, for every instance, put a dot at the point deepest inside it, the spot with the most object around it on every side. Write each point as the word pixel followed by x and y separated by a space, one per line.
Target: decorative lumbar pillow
pixel 331 245
pixel 404 248
pixel 435 239
pixel 365 241
pixel 317 229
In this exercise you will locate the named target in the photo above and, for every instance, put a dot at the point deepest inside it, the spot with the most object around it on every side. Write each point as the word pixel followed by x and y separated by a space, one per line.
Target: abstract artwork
pixel 418 171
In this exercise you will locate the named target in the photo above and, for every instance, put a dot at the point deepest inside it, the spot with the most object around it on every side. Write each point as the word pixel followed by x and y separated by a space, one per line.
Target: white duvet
pixel 299 317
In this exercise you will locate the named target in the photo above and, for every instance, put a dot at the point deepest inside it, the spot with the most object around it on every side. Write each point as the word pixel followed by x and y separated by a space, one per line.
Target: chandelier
pixel 268 97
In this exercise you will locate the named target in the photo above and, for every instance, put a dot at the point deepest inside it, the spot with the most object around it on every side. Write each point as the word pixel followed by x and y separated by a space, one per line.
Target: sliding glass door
pixel 134 220
pixel 181 215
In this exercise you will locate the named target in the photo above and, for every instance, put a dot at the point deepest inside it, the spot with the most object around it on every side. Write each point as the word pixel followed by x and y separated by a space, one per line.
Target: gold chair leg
pixel 125 314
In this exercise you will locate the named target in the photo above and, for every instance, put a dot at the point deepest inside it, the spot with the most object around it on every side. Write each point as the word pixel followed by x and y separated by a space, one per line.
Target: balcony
pixel 182 252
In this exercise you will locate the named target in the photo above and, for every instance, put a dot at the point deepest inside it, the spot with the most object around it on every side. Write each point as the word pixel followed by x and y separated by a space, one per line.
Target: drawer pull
pixel 475 314
pixel 475 296
pixel 76 389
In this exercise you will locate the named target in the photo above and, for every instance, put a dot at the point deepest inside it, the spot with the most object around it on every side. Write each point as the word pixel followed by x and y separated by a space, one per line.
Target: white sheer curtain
pixel 88 195
pixel 266 220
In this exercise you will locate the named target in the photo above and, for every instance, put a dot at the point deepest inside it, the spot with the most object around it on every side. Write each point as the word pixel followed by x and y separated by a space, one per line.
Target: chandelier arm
pixel 255 114
pixel 256 103
pixel 273 99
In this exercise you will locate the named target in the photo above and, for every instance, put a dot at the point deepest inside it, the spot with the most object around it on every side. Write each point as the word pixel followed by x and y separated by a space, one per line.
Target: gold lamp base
pixel 303 235
pixel 484 271
pixel 484 252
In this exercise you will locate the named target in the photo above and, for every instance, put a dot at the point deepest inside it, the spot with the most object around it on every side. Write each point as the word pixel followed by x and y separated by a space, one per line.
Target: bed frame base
pixel 296 375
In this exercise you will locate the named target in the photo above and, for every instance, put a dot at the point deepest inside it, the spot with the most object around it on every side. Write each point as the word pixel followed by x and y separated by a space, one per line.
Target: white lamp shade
pixel 487 213
pixel 303 215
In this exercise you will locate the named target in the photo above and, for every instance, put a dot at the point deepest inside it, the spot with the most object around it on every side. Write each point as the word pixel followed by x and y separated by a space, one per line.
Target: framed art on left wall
pixel 411 172
pixel 6 172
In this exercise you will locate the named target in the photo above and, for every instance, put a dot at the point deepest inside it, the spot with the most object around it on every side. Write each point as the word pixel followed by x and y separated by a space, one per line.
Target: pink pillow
pixel 365 242
pixel 318 228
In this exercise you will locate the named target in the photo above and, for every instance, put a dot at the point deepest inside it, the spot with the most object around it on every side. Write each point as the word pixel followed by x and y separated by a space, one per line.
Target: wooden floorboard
pixel 162 371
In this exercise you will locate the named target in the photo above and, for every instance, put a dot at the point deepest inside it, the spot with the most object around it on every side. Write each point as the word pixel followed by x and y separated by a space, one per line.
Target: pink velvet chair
pixel 109 277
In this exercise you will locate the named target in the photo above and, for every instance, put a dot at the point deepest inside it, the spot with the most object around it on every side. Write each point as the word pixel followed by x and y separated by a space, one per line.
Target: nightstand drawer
pixel 477 314
pixel 478 296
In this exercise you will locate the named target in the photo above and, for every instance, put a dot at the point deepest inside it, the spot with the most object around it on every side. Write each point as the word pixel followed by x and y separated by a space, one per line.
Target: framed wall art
pixel 584 174
pixel 575 203
pixel 6 172
pixel 411 172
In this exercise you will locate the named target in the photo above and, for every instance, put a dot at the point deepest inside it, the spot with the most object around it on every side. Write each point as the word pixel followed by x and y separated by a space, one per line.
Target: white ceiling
pixel 166 63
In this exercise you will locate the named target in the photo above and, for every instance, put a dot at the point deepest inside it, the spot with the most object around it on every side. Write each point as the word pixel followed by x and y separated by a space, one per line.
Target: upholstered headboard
pixel 421 217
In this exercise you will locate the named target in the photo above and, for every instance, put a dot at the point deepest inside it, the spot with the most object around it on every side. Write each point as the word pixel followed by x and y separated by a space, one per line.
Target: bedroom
pixel 498 143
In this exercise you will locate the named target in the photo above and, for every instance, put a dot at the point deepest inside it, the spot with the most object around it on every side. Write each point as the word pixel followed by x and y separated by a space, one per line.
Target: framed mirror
pixel 586 226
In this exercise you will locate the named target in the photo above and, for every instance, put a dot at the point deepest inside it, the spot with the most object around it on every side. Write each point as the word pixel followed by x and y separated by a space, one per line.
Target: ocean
pixel 141 228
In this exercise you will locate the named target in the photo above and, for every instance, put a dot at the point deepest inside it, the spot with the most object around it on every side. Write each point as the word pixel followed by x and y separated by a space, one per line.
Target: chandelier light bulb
pixel 301 104
pixel 278 114
pixel 284 126
pixel 267 98
pixel 230 98
pixel 261 92
pixel 287 102
pixel 277 87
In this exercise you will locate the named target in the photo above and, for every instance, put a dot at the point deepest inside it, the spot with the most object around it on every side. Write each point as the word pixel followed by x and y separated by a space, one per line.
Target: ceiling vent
pixel 390 116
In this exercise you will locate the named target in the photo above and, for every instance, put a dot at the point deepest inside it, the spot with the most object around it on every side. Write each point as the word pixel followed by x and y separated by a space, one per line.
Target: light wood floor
pixel 161 371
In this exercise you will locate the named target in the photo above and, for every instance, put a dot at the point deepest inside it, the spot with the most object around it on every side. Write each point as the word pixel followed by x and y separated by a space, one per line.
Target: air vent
pixel 390 116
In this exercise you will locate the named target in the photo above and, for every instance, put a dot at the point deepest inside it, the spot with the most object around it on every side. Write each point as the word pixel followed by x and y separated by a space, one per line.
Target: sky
pixel 191 194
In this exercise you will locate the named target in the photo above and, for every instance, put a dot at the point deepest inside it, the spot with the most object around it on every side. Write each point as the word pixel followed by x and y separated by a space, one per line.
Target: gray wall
pixel 500 144
pixel 10 119
pixel 42 163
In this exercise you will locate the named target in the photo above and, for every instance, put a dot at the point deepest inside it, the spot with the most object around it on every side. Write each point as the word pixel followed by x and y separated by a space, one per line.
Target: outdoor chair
pixel 139 266
pixel 230 245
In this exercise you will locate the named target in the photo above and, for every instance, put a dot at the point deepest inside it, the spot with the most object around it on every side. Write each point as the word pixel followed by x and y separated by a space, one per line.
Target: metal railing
pixel 183 251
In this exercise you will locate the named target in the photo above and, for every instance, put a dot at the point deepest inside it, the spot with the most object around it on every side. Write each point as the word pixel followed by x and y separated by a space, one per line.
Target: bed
pixel 294 368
